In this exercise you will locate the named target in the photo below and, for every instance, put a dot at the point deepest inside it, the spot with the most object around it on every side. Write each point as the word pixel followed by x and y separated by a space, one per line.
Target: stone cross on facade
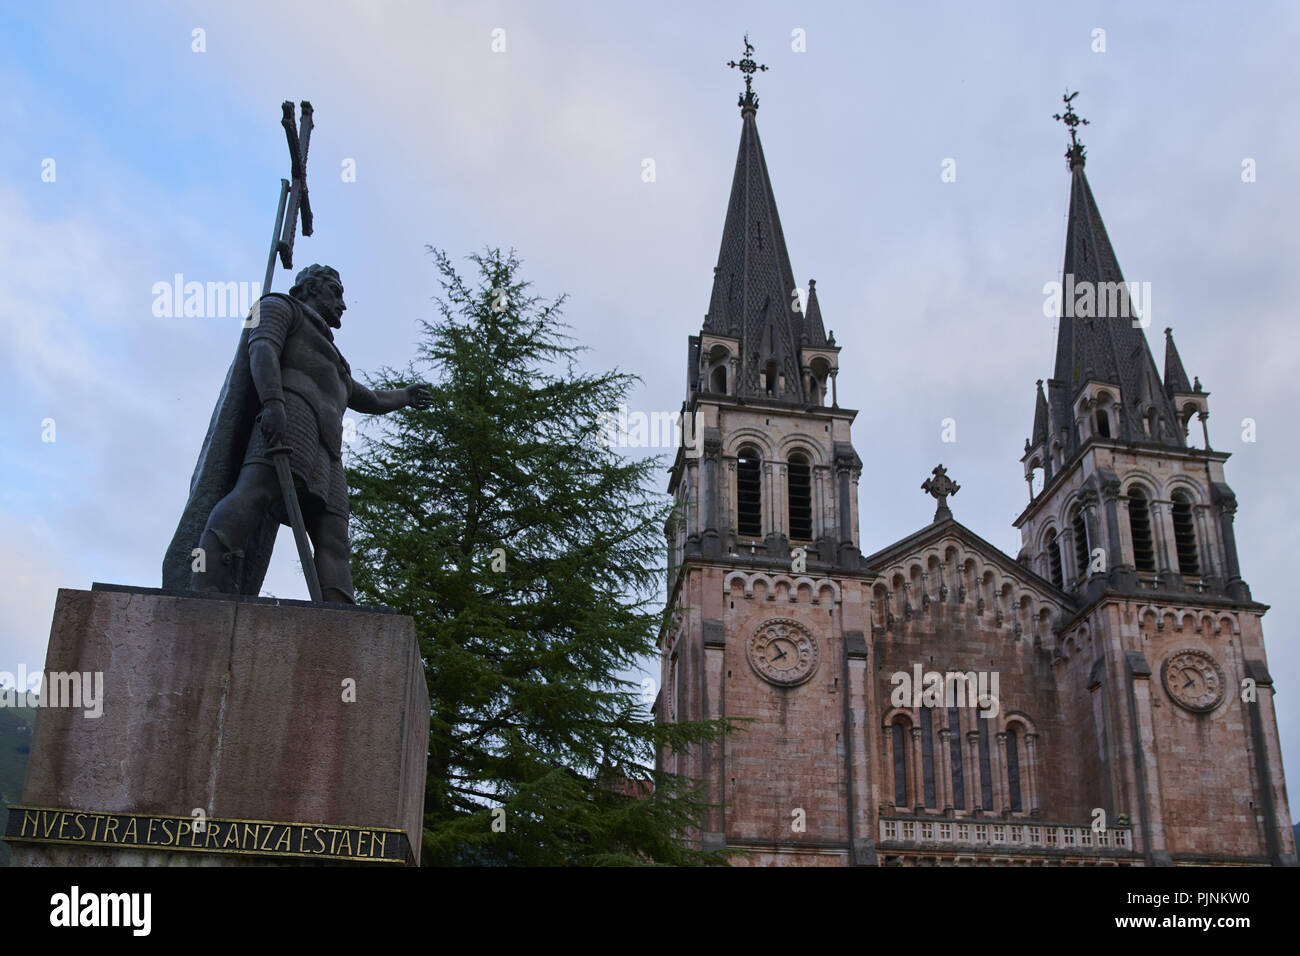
pixel 940 487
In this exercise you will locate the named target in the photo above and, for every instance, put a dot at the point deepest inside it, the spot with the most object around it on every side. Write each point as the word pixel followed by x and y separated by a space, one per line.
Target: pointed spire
pixel 1096 344
pixel 1040 431
pixel 753 297
pixel 1175 377
pixel 812 332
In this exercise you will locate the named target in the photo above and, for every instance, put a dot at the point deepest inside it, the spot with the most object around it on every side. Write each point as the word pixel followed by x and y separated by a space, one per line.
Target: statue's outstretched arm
pixel 364 400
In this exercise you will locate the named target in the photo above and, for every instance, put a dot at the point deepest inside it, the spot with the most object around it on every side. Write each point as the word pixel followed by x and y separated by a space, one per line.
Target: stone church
pixel 1102 698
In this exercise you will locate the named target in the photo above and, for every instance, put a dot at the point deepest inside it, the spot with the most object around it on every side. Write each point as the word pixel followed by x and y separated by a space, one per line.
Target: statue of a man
pixel 288 386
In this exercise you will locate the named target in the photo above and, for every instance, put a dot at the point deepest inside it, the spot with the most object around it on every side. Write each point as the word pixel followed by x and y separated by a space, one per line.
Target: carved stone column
pixel 918 771
pixel 890 775
pixel 1227 506
pixel 997 771
pixel 1092 522
pixel 1162 523
pixel 710 544
pixel 1119 564
pixel 945 801
pixel 1031 758
pixel 974 780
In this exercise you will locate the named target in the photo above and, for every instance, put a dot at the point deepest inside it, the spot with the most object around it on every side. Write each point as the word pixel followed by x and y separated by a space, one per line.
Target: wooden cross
pixel 293 195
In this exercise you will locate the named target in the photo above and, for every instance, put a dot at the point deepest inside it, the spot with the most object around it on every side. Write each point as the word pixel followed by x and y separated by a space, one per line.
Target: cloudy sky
pixel 167 154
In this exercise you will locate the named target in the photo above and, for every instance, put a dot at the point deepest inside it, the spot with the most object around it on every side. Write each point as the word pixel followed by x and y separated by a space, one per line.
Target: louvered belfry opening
pixel 1081 562
pixel 1054 559
pixel 800 482
pixel 1139 523
pixel 749 494
pixel 1185 536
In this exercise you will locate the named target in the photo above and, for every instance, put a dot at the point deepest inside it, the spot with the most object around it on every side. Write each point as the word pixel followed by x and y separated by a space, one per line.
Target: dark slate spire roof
pixel 1176 382
pixel 1040 417
pixel 1102 348
pixel 753 282
pixel 812 331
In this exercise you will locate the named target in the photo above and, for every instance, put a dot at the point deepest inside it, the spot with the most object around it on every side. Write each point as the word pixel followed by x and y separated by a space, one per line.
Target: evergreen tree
pixel 530 555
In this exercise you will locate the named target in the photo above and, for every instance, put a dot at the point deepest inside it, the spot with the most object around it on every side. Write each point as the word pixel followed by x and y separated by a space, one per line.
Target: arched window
pixel 1054 560
pixel 800 497
pixel 1185 536
pixel 1153 422
pixel 954 742
pixel 1139 525
pixel 1081 552
pixel 900 763
pixel 1102 423
pixel 927 755
pixel 1013 770
pixel 749 494
pixel 719 379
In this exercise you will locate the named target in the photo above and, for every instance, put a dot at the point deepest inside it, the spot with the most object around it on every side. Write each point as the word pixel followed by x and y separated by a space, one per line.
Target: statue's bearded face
pixel 326 296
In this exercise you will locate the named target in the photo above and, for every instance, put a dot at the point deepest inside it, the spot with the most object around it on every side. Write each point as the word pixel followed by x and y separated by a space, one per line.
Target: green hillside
pixel 15 740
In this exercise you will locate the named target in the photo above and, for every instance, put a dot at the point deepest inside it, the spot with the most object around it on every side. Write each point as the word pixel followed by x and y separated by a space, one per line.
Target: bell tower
pixel 765 571
pixel 1163 651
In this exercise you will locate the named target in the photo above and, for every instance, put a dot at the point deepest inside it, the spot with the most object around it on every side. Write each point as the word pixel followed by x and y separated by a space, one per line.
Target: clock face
pixel 1194 680
pixel 783 652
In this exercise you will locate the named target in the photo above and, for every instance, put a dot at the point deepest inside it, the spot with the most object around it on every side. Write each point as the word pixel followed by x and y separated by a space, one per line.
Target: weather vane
pixel 1072 119
pixel 748 67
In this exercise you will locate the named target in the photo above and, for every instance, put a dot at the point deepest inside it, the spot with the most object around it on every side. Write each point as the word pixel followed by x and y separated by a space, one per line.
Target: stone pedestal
pixel 244 714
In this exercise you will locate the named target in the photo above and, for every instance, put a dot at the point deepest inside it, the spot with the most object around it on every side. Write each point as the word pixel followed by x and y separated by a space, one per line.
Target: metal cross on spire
pixel 748 67
pixel 1072 120
pixel 940 487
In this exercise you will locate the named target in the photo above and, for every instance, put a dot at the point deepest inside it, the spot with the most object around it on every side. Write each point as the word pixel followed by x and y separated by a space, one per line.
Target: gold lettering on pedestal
pixel 90 828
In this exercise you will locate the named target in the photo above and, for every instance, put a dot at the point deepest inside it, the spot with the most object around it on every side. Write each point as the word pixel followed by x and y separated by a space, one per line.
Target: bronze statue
pixel 284 397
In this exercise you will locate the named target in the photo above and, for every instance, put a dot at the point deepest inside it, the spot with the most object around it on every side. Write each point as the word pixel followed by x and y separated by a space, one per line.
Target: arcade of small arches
pixel 781 588
pixel 1097 416
pixel 721 367
pixel 1154 619
pixel 955 578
